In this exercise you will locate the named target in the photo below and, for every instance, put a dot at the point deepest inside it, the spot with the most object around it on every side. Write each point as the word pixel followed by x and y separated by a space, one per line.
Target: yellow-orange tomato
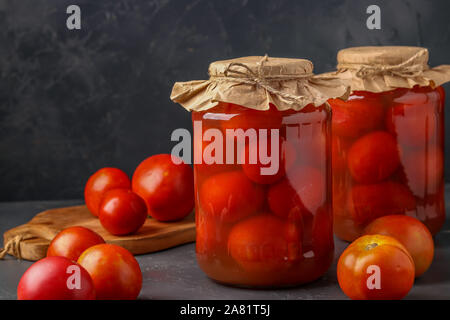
pixel 375 267
pixel 412 233
pixel 114 270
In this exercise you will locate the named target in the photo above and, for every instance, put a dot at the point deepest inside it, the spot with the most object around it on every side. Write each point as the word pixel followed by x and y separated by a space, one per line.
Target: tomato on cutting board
pixel 167 188
pixel 56 278
pixel 101 181
pixel 375 267
pixel 71 242
pixel 114 270
pixel 122 212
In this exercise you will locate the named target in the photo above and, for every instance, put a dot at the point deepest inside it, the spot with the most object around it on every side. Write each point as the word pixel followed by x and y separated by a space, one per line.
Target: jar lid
pixel 383 56
pixel 385 68
pixel 270 68
pixel 255 82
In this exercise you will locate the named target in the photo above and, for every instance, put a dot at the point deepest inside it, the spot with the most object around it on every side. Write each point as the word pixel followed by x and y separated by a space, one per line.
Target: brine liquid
pixel 388 158
pixel 265 230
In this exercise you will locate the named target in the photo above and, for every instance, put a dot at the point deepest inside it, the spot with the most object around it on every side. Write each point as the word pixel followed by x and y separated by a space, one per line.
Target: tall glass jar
pixel 262 174
pixel 388 147
pixel 265 230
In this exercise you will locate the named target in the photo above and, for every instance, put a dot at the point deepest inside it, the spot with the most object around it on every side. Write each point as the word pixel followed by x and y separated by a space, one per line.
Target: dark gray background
pixel 72 102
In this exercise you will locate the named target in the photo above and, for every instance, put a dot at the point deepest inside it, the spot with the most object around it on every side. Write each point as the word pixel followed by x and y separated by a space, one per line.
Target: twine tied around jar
pixel 405 69
pixel 232 73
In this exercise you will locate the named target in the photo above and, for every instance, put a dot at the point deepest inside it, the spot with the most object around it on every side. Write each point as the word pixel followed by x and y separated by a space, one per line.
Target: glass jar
pixel 255 228
pixel 262 170
pixel 388 158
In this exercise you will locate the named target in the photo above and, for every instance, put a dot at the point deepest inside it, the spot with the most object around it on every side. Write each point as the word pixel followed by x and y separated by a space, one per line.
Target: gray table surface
pixel 174 274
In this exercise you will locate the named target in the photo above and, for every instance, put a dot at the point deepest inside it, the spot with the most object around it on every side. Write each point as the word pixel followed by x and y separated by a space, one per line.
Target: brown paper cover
pixel 378 69
pixel 254 82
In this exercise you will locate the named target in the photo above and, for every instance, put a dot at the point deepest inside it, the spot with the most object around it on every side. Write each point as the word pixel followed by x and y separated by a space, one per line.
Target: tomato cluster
pixel 162 187
pixel 264 229
pixel 101 271
pixel 108 196
pixel 383 263
pixel 387 158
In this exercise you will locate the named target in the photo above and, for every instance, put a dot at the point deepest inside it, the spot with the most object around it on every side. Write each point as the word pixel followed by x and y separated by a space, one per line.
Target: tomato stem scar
pixel 371 246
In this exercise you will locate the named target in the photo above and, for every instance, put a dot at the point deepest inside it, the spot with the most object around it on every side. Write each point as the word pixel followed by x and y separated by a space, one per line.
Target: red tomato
pixel 282 161
pixel 230 196
pixel 211 235
pixel 265 243
pixel 167 188
pixel 392 95
pixel 283 200
pixel 362 113
pixel 114 270
pixel 424 170
pixel 122 212
pixel 413 124
pixel 56 278
pixel 212 161
pixel 368 202
pixel 303 191
pixel 71 242
pixel 309 183
pixel 373 157
pixel 208 153
pixel 412 233
pixel 245 118
pixel 416 95
pixel 375 267
pixel 101 181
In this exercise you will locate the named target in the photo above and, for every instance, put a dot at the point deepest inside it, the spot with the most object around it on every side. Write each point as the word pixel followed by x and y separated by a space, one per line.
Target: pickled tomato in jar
pixel 262 170
pixel 388 143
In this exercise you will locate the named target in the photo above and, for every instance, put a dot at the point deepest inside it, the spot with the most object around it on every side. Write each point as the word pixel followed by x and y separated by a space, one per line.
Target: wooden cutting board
pixel 30 241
